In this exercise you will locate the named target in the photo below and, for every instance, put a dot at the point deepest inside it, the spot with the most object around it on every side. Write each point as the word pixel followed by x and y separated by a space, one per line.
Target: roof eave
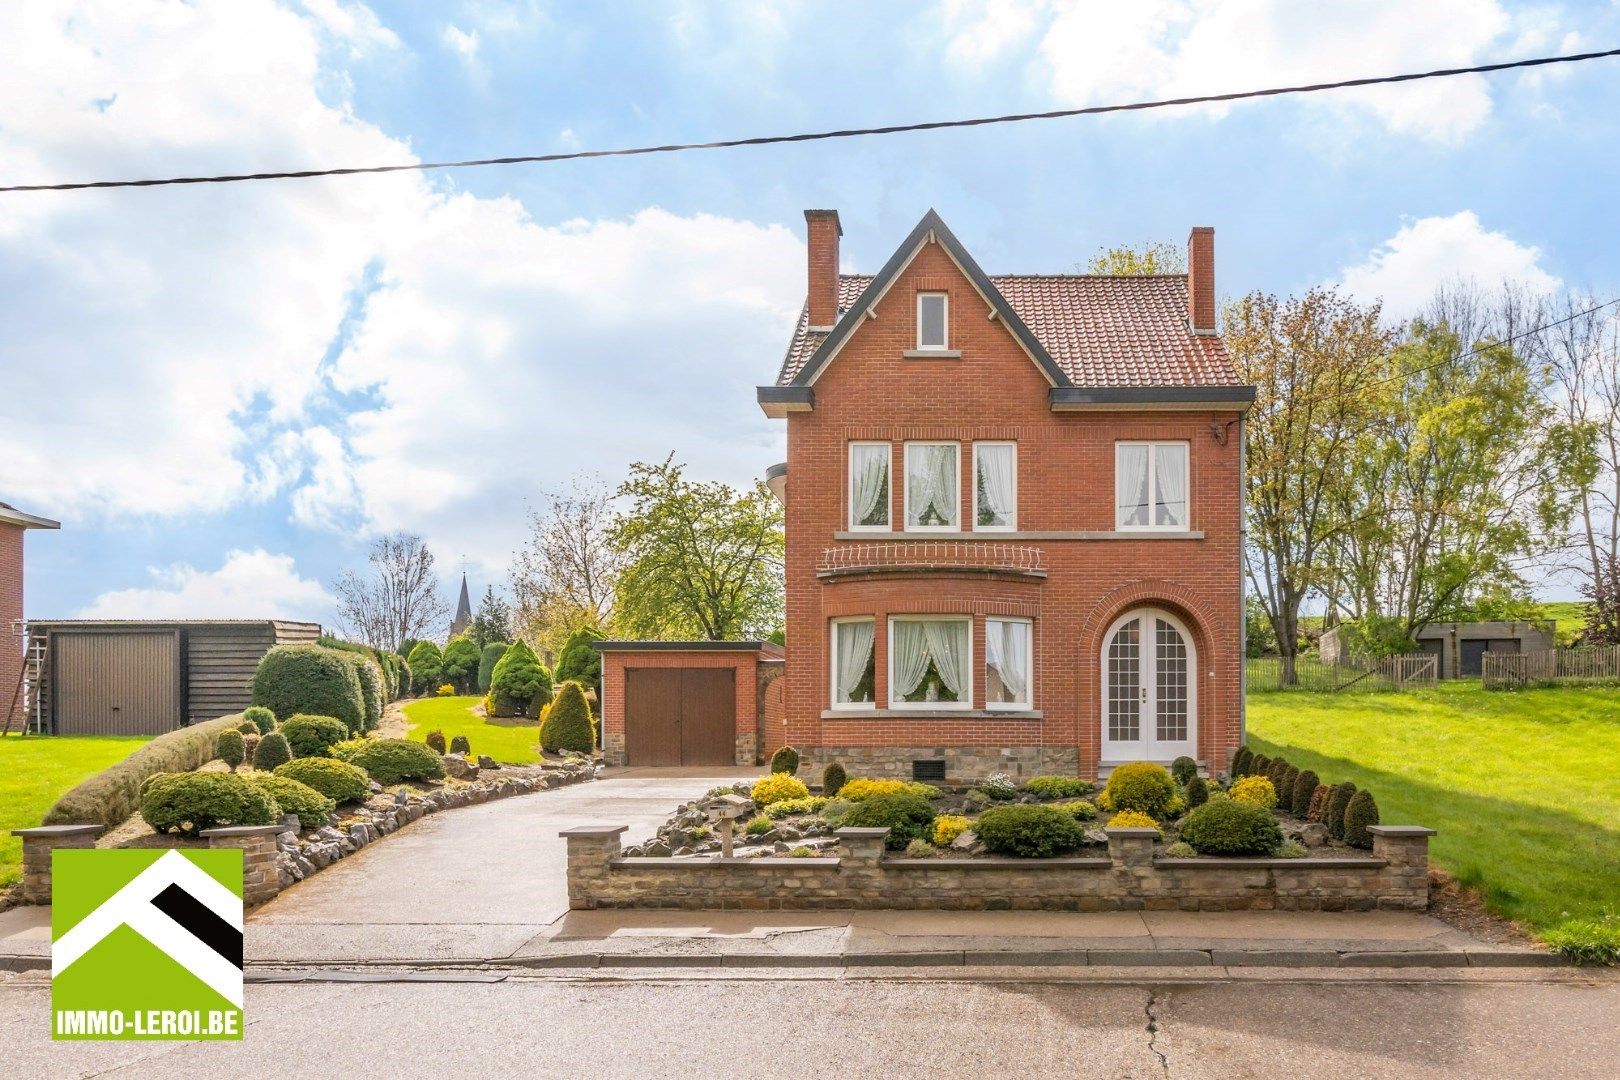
pixel 12 516
pixel 777 401
pixel 1150 398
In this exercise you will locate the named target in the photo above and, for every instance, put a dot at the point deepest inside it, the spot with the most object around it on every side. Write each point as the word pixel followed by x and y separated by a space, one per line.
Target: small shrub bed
pixel 392 761
pixel 1035 832
pixel 1231 827
pixel 907 817
pixel 313 736
pixel 1057 787
pixel 336 780
pixel 189 803
pixel 861 789
pixel 313 808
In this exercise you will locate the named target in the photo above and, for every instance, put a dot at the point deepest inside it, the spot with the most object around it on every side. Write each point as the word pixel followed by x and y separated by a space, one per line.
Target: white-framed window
pixel 933 486
pixel 1151 486
pixel 1009 664
pixel 869 486
pixel 933 321
pixel 854 664
pixel 995 486
pixel 930 662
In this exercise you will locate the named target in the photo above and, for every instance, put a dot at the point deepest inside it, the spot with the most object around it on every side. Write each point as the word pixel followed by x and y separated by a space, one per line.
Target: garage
pixel 668 704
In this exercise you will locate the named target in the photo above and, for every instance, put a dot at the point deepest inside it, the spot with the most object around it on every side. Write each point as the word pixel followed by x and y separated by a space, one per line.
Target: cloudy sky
pixel 224 392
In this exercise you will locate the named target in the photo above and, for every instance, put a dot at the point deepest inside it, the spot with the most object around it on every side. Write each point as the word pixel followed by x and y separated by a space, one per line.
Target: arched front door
pixel 1149 689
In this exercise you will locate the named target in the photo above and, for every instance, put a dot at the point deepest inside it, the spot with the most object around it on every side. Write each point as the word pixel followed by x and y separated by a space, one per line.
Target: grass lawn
pixel 36 769
pixel 508 741
pixel 1570 615
pixel 1522 786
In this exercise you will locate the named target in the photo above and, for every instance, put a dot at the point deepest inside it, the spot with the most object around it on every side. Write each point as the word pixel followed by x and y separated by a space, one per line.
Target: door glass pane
pixel 1170 685
pixel 1125 684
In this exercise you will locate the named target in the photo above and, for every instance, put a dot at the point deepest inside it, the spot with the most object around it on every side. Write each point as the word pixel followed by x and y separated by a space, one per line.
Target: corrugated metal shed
pixel 137 677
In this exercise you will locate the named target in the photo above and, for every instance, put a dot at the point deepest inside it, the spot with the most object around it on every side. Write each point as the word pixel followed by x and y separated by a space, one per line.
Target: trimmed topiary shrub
pixel 1285 786
pixel 1140 785
pixel 1258 765
pixel 372 694
pixel 1033 832
pixel 1183 769
pixel 390 761
pixel 519 684
pixel 1197 792
pixel 833 779
pixel 261 717
pixel 907 817
pixel 579 660
pixel 1231 827
pixel 776 787
pixel 435 739
pixel 427 665
pixel 486 663
pixel 1057 787
pixel 313 736
pixel 1255 790
pixel 1305 785
pixel 271 752
pixel 188 803
pixel 313 808
pixel 1360 812
pixel 337 780
pixel 293 679
pixel 250 743
pixel 1338 801
pixel 460 745
pixel 460 663
pixel 231 748
pixel 1319 800
pixel 568 724
pixel 248 727
pixel 1240 761
pixel 786 759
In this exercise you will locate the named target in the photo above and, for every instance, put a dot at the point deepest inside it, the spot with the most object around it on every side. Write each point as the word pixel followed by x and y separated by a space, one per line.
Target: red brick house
pixel 14 525
pixel 1013 512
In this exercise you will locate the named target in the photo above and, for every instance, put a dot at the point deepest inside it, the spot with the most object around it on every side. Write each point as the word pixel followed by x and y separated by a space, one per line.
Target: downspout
pixel 1243 588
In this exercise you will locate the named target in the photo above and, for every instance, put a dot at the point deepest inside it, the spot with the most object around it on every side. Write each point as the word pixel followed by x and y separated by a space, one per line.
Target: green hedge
pixel 312 679
pixel 112 795
pixel 191 802
pixel 372 694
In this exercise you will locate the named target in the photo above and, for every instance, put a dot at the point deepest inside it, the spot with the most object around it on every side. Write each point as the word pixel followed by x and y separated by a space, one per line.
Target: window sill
pixel 932 354
pixel 933 714
pixel 991 536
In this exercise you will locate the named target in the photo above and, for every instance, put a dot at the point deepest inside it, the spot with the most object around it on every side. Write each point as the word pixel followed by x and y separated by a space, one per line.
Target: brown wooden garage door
pixel 116 684
pixel 680 716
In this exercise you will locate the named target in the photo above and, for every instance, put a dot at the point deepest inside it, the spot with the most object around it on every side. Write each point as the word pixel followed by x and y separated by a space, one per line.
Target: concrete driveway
pixel 474 882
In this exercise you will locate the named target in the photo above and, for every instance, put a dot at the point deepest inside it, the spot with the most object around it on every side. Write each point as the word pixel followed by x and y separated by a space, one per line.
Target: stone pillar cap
pixel 1129 830
pixel 855 833
pixel 1400 830
pixel 593 830
pixel 61 830
pixel 244 830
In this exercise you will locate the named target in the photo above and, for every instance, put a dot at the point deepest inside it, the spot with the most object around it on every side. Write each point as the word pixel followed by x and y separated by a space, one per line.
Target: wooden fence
pixel 1405 671
pixel 1551 667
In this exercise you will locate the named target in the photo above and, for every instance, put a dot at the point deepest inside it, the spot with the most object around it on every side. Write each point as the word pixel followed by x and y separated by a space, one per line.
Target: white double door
pixel 1149 689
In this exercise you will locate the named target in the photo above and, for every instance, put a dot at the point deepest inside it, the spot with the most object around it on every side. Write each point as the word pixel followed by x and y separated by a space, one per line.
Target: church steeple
pixel 463 617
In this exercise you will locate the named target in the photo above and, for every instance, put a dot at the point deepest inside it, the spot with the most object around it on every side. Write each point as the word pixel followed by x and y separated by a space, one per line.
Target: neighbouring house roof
pixel 770 648
pixel 13 516
pixel 1093 330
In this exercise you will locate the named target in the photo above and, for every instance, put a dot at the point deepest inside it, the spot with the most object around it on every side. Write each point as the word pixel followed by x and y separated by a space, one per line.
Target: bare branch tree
pixel 397 598
pixel 564 575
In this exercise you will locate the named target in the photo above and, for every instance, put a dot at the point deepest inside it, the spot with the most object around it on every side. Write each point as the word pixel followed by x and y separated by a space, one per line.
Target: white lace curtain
pixel 997 483
pixel 1170 478
pixel 931 484
pixel 1131 483
pixel 854 655
pixel 1006 650
pixel 916 642
pixel 869 468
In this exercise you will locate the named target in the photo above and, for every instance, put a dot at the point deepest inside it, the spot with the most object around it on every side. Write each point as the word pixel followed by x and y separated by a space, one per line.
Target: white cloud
pixel 248 585
pixel 352 23
pixel 1094 53
pixel 1405 270
pixel 463 43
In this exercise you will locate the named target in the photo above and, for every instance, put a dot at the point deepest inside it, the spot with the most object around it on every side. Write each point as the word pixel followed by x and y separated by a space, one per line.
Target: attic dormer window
pixel 932 323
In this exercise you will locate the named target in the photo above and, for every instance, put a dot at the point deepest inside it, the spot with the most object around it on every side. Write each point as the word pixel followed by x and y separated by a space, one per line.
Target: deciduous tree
pixel 396 598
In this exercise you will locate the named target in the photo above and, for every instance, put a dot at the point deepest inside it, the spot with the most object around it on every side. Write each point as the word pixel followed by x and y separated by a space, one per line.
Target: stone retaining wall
pixel 1130 878
pixel 963 764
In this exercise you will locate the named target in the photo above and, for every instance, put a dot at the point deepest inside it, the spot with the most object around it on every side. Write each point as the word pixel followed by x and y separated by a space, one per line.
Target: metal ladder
pixel 26 692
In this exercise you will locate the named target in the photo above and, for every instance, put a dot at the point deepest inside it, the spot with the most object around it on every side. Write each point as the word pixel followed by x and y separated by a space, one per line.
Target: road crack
pixel 1153 1031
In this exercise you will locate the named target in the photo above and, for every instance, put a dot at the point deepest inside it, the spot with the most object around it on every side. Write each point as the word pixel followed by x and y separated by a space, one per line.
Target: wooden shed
pixel 146 678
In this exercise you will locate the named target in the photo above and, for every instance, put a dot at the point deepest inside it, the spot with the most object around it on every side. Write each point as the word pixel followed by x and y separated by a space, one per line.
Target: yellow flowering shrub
pixel 947 827
pixel 1256 790
pixel 776 787
pixel 446 689
pixel 857 790
pixel 1132 819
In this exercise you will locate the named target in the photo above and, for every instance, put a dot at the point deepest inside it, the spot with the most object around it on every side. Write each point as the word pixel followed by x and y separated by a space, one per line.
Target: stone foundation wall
pixel 964 764
pixel 1130 878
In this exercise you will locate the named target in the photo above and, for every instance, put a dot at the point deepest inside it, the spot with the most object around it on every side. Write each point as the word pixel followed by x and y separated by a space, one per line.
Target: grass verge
pixel 506 741
pixel 35 770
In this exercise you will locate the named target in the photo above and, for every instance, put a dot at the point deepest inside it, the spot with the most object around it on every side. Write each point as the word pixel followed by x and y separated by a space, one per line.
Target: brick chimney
pixel 1201 280
pixel 822 231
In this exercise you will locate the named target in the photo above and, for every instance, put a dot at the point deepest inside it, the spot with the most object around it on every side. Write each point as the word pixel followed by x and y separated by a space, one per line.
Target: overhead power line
pixel 822 136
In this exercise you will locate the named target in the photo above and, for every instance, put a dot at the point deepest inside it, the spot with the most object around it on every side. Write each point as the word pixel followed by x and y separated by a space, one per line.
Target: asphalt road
pixel 796 1026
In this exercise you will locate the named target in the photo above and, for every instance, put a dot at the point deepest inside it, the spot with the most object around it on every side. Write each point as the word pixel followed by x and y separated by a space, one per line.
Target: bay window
pixel 1150 486
pixel 1008 673
pixel 933 486
pixel 930 662
pixel 869 485
pixel 853 665
pixel 995 486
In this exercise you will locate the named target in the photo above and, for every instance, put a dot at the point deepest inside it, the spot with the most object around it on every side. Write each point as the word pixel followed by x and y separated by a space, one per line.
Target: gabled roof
pixel 1095 331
